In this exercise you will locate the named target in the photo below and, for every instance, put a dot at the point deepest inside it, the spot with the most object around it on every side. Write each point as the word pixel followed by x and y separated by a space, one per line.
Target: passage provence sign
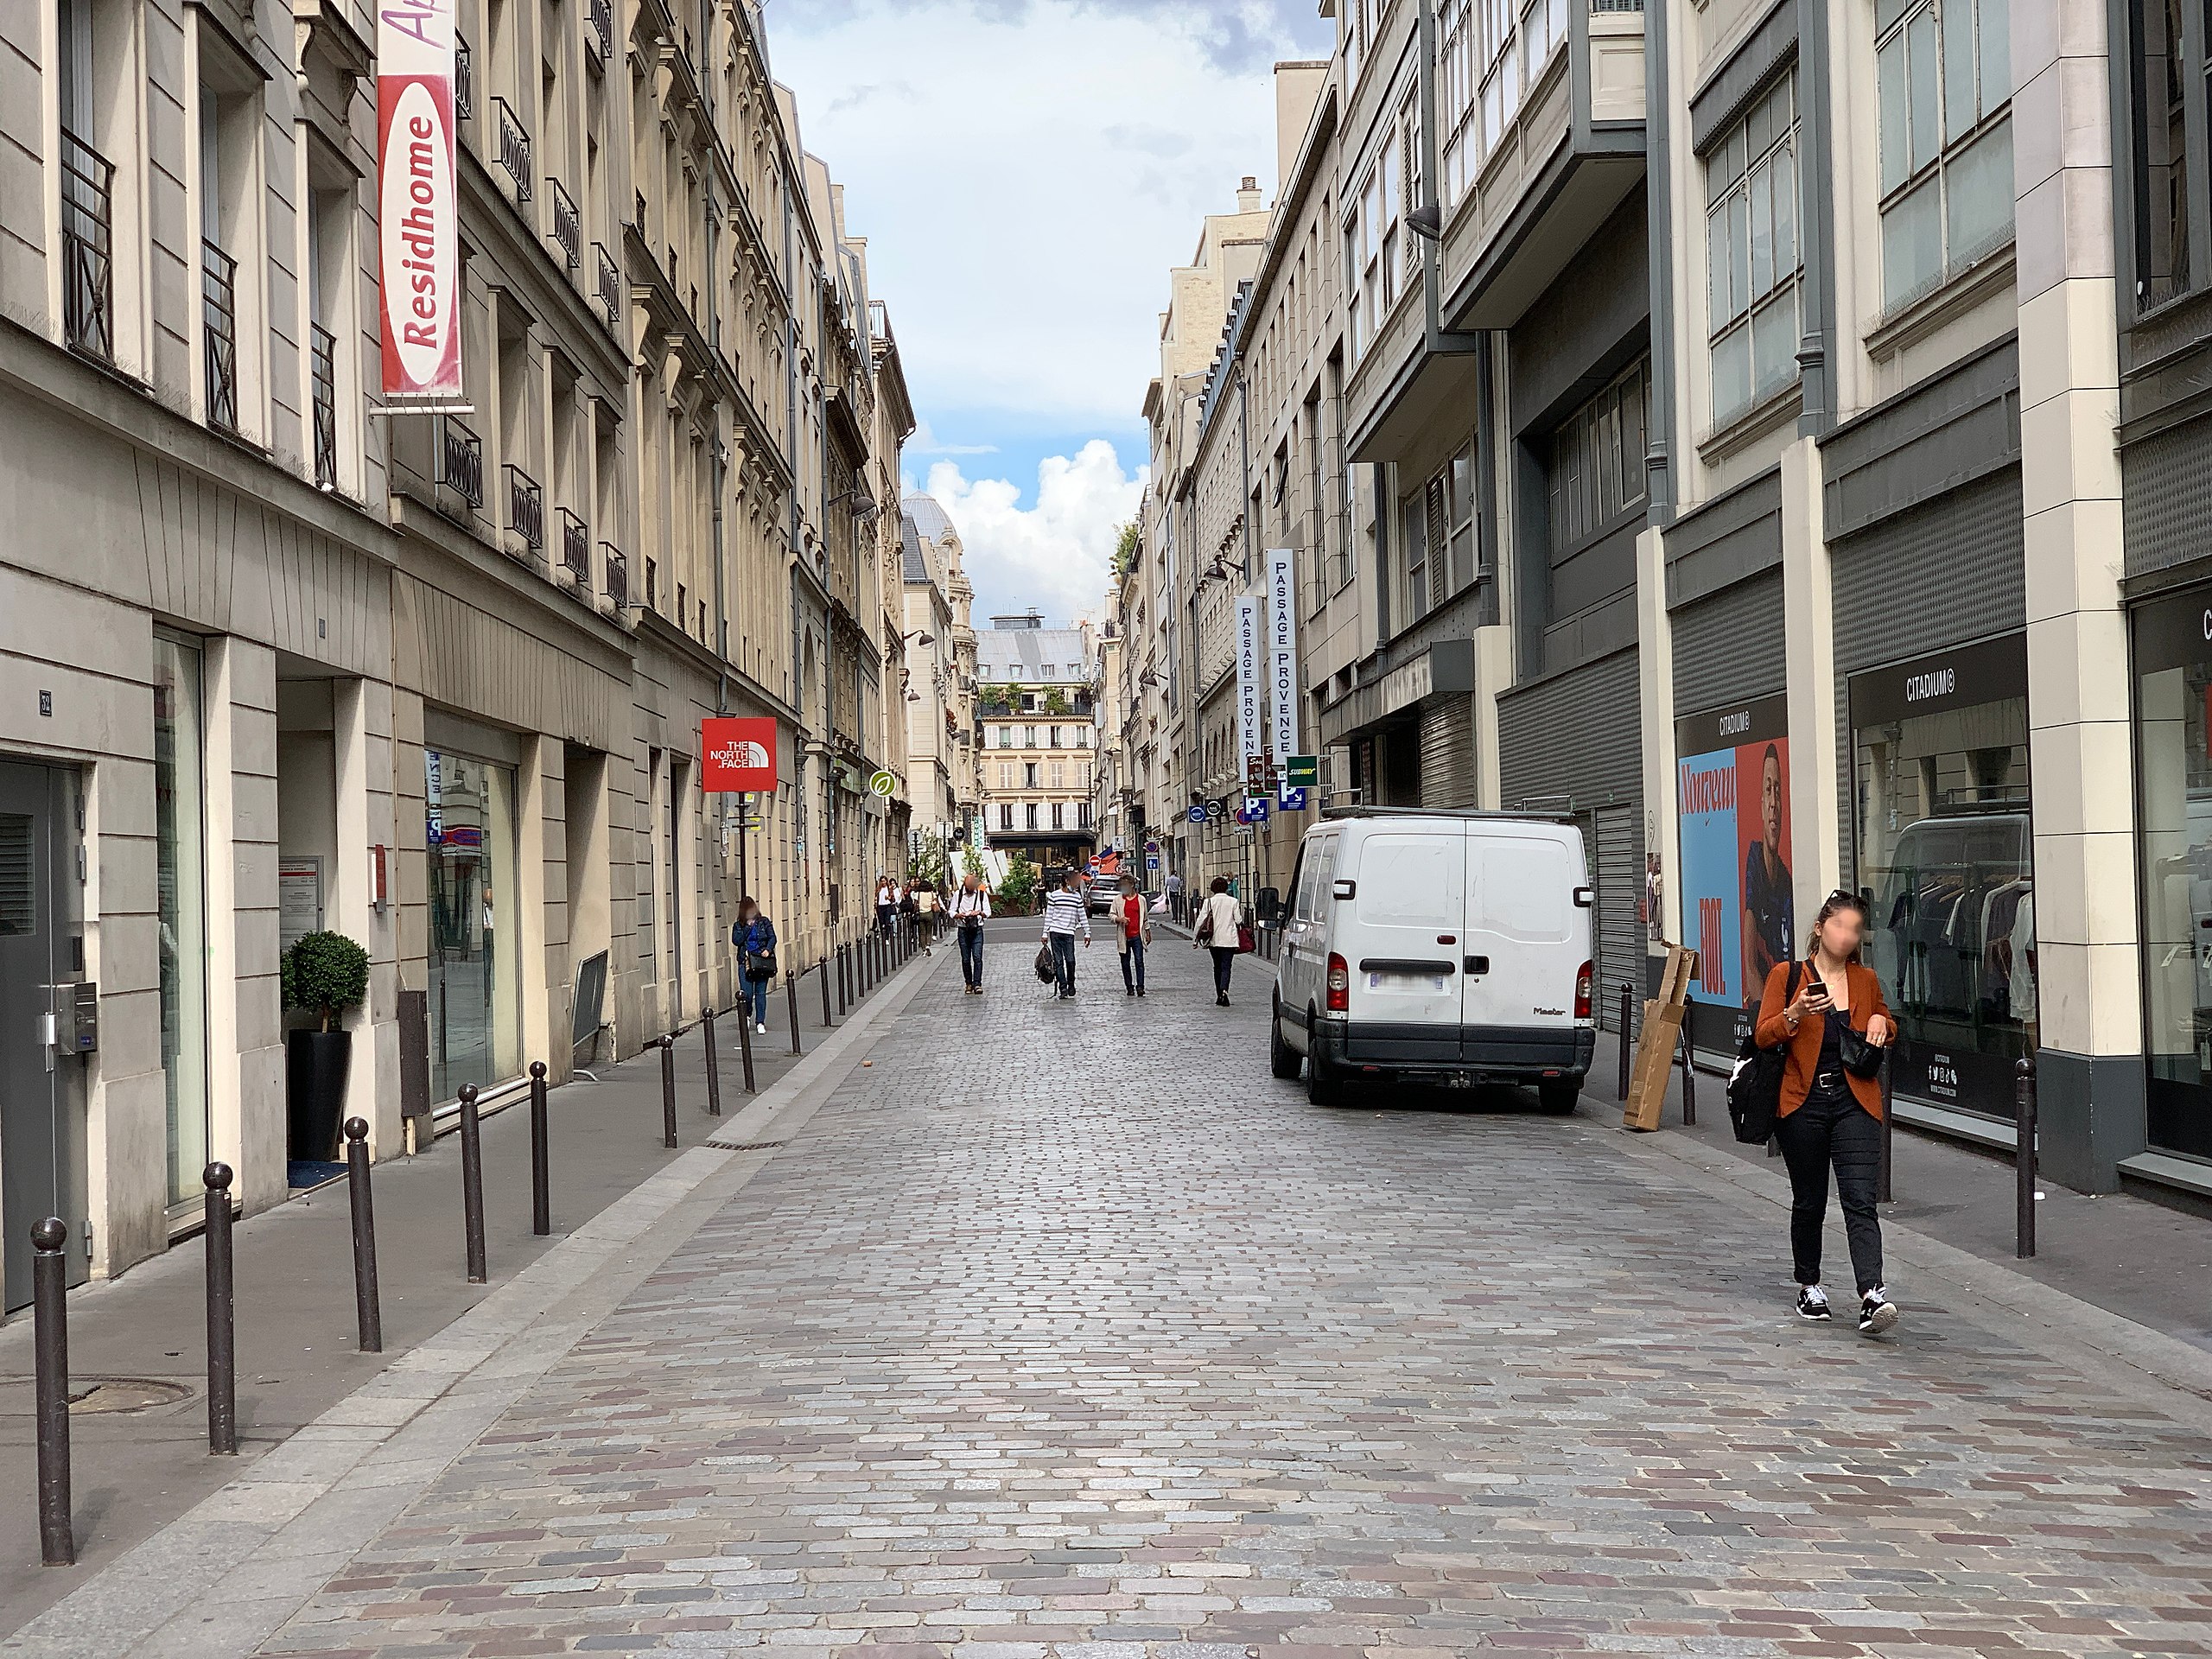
pixel 418 217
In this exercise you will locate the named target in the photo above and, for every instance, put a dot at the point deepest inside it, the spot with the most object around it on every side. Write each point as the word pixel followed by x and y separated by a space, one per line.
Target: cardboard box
pixel 1663 1016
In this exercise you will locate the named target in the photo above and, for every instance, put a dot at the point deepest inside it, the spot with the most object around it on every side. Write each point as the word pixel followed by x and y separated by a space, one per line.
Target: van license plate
pixel 1386 980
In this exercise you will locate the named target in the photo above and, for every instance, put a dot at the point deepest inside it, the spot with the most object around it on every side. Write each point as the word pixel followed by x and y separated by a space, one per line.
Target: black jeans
pixel 1131 964
pixel 1224 957
pixel 1831 1128
pixel 971 955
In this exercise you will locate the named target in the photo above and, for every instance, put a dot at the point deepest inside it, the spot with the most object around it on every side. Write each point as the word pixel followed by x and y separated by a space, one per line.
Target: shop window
pixel 1944 78
pixel 2168 95
pixel 181 895
pixel 1752 260
pixel 1944 842
pixel 475 979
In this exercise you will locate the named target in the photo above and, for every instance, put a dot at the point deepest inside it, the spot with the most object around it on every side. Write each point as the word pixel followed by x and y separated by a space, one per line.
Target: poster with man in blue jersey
pixel 1732 802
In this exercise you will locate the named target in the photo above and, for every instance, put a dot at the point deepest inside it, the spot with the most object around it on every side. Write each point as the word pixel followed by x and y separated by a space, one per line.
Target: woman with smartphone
pixel 1834 1028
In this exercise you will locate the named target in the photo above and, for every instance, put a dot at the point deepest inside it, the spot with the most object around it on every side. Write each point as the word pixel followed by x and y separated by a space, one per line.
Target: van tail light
pixel 1339 985
pixel 1585 981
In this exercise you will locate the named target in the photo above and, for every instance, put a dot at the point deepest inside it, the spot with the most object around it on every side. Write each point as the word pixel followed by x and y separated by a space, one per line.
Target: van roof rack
pixel 1542 815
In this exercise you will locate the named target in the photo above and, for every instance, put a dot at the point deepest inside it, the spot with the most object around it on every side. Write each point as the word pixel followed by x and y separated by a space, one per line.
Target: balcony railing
pixel 462 465
pixel 218 329
pixel 464 81
pixel 525 507
pixel 609 289
pixel 618 575
pixel 324 346
pixel 87 248
pixel 575 549
pixel 514 149
pixel 567 225
pixel 600 16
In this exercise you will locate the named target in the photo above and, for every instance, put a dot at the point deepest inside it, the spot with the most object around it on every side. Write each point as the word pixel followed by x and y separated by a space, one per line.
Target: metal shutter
pixel 1732 646
pixel 1620 891
pixel 1574 736
pixel 2166 497
pixel 1447 754
pixel 1946 573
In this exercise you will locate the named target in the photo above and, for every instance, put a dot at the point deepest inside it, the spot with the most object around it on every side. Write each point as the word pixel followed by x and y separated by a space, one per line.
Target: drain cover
pixel 106 1396
pixel 755 1146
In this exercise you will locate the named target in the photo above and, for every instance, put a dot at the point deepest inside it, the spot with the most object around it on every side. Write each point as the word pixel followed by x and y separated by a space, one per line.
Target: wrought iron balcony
pixel 219 330
pixel 514 149
pixel 567 225
pixel 618 575
pixel 600 16
pixel 462 463
pixel 324 346
pixel 87 248
pixel 609 289
pixel 464 81
pixel 525 507
pixel 575 549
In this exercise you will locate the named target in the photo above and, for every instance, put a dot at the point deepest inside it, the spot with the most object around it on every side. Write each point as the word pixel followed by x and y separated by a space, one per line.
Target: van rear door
pixel 1403 945
pixel 1525 937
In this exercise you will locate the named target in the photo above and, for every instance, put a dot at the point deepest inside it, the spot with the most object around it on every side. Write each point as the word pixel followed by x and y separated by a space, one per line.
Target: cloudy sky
pixel 1025 172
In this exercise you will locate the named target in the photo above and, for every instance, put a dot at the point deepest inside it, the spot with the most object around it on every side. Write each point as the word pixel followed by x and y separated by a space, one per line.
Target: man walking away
pixel 1136 934
pixel 1064 913
pixel 971 907
pixel 925 910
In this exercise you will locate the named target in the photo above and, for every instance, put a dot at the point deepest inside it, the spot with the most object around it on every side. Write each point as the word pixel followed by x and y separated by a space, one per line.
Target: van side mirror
pixel 1345 889
pixel 1584 898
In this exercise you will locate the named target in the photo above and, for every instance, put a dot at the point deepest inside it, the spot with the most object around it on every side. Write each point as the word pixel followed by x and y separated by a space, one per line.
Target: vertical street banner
pixel 1732 802
pixel 1282 654
pixel 1250 741
pixel 418 219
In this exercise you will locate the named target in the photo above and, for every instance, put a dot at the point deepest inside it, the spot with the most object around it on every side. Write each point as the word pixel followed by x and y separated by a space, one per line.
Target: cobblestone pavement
pixel 1062 1333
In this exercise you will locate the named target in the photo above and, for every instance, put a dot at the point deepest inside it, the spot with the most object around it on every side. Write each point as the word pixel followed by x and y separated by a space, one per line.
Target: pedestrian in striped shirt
pixel 1065 914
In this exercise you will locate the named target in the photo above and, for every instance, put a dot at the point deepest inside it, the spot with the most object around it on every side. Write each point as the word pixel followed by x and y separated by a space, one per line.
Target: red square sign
pixel 739 755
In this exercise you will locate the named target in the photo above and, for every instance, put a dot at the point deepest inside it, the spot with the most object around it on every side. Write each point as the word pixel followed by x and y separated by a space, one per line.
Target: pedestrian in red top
pixel 1136 933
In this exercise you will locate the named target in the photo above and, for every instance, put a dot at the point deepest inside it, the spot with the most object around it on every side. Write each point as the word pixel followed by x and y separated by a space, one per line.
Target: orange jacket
pixel 1805 1048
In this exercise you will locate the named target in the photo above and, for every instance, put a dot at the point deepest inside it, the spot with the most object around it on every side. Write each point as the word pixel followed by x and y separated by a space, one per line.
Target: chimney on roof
pixel 1248 195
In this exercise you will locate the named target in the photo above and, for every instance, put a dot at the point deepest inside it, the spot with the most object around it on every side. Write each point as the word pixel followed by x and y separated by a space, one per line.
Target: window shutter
pixel 1410 198
pixel 1438 534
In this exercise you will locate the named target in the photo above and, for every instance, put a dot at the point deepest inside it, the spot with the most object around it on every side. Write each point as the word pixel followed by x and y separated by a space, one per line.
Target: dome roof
pixel 929 518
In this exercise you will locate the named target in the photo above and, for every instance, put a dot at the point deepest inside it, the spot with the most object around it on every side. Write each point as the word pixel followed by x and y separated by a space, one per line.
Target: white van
pixel 1447 947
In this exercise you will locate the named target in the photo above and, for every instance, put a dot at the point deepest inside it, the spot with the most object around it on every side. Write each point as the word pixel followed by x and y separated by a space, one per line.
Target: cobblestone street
pixel 1062 1333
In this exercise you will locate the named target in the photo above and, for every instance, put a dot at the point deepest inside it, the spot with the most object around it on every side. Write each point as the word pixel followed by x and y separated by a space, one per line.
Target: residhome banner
pixel 418 217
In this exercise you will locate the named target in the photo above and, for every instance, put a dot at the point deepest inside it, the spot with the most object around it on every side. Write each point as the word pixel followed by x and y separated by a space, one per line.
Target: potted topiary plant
pixel 324 974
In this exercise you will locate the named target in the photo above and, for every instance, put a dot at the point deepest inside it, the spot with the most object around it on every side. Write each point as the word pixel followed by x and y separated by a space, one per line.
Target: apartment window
pixel 87 197
pixel 1752 260
pixel 1943 76
pixel 1595 477
pixel 1413 537
pixel 1489 53
pixel 2169 97
pixel 1060 774
pixel 1053 736
pixel 1030 815
pixel 1005 737
pixel 1005 816
pixel 1059 814
pixel 1373 272
pixel 1029 774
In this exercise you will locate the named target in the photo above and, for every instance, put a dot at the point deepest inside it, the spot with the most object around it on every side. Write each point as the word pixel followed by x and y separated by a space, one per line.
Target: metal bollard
pixel 1884 1193
pixel 667 1045
pixel 1689 1082
pixel 825 1000
pixel 222 1349
pixel 541 1155
pixel 745 1044
pixel 714 1064
pixel 49 1293
pixel 472 1184
pixel 791 998
pixel 368 1309
pixel 1626 1016
pixel 2024 1159
pixel 844 979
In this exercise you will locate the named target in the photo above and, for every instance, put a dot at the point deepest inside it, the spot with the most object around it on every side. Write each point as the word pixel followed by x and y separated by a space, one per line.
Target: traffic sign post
pixel 1293 798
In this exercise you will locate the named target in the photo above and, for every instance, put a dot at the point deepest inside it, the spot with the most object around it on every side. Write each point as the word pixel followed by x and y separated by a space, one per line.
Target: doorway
pixel 42 1162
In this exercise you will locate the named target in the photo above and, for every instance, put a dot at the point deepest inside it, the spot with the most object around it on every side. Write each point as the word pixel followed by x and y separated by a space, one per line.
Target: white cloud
pixel 924 442
pixel 1053 554
pixel 1026 172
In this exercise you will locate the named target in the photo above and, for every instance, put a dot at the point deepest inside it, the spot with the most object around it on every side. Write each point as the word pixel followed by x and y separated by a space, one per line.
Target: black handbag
pixel 1860 1057
pixel 1045 971
pixel 1755 1083
pixel 760 964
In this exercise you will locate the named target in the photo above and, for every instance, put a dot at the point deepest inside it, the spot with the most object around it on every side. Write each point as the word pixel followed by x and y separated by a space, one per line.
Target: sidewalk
pixel 136 1470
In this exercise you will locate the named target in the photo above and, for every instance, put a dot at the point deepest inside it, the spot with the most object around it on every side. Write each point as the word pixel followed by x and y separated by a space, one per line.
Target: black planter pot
pixel 315 1064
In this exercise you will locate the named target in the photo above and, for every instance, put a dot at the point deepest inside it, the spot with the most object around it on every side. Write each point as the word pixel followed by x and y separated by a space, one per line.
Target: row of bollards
pixel 859 965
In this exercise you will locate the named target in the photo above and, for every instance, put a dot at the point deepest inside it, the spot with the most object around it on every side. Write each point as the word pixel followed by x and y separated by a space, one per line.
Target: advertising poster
pixel 1732 789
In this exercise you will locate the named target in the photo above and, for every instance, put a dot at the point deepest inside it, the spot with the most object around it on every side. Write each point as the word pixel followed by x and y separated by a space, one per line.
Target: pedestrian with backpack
pixel 1828 1017
pixel 754 936
pixel 971 908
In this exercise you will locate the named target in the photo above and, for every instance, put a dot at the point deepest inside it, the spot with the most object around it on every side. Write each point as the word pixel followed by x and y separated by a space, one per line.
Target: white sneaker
pixel 1877 1312
pixel 763 1029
